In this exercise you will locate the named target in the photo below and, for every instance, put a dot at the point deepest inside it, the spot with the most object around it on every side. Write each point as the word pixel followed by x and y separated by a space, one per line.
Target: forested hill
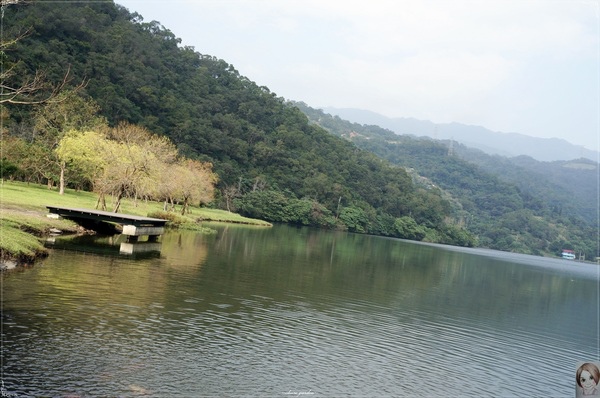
pixel 271 162
pixel 513 204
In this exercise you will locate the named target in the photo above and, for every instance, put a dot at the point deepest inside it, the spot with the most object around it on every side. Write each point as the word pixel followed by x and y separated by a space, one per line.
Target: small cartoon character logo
pixel 588 376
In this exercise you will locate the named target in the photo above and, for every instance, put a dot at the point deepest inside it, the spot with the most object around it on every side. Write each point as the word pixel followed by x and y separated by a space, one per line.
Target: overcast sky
pixel 523 66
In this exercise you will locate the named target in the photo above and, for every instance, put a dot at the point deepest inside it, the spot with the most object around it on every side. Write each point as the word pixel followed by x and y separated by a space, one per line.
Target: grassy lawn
pixel 35 197
pixel 23 216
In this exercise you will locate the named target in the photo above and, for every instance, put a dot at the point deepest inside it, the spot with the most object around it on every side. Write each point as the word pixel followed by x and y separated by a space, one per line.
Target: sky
pixel 523 66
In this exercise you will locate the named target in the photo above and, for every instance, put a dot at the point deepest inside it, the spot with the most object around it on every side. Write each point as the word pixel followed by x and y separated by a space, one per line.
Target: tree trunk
pixel 101 202
pixel 184 207
pixel 61 190
pixel 117 205
pixel 118 202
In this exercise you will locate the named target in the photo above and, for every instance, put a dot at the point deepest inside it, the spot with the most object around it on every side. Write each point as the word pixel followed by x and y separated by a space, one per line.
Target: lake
pixel 285 312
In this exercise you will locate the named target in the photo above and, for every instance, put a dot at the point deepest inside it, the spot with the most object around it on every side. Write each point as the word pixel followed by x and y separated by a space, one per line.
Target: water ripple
pixel 134 334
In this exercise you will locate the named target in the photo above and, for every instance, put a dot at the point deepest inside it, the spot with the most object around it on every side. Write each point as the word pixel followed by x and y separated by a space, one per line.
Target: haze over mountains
pixel 491 142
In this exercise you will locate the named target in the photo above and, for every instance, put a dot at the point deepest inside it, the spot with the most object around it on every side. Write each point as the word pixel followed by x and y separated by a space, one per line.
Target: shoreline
pixel 24 222
pixel 26 229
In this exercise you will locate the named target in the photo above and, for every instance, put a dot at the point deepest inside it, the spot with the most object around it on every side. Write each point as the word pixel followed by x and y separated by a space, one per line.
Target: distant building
pixel 568 254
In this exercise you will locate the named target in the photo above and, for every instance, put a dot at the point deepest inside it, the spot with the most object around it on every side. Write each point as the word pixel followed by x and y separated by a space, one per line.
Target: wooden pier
pixel 133 226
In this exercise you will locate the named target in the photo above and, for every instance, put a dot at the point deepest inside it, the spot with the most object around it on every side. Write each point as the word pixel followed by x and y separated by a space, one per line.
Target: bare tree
pixel 229 193
pixel 34 90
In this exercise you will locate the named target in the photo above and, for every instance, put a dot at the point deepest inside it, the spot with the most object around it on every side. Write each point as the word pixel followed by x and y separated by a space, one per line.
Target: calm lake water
pixel 284 312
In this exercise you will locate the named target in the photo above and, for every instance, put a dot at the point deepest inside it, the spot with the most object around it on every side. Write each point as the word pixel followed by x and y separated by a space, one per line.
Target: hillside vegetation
pixel 516 204
pixel 269 161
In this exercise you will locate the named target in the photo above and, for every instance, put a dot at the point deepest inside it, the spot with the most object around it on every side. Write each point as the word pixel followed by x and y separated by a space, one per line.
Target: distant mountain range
pixel 514 203
pixel 491 142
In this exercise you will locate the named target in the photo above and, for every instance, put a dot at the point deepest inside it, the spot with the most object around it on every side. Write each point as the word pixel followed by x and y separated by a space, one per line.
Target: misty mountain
pixel 568 185
pixel 513 204
pixel 491 142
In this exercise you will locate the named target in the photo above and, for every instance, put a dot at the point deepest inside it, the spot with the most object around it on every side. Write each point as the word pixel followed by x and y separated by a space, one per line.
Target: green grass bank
pixel 23 218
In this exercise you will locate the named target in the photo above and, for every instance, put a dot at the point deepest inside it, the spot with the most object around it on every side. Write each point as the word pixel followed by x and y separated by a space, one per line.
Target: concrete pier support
pixel 142 247
pixel 132 230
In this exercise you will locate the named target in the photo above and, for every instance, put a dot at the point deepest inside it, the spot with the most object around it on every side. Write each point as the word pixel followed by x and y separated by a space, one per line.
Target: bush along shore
pixel 24 222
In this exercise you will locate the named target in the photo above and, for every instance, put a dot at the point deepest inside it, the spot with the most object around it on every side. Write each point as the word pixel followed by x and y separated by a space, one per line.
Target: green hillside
pixel 270 161
pixel 515 204
pixel 570 188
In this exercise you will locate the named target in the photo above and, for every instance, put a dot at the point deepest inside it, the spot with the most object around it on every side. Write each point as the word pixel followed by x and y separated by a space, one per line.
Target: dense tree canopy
pixel 508 206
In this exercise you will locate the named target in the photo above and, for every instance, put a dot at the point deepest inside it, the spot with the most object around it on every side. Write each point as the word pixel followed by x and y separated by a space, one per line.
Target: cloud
pixel 487 62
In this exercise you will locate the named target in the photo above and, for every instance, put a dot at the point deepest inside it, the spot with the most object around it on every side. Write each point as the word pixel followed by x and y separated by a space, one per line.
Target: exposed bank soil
pixel 9 261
